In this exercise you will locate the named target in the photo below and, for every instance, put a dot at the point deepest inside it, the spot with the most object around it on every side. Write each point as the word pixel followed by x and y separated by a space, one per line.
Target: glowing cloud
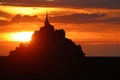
pixel 50 0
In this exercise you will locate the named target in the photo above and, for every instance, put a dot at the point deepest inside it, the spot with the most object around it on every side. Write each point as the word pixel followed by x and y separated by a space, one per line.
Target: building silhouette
pixel 50 55
pixel 49 51
pixel 49 42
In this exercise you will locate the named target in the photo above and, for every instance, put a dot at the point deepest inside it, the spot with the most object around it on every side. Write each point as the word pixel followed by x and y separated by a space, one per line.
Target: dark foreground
pixel 89 68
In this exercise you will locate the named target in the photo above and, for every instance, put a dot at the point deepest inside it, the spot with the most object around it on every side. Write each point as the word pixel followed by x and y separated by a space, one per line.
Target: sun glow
pixel 13 10
pixel 22 36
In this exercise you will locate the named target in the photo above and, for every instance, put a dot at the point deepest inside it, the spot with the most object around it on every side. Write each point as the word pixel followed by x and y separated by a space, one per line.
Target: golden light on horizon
pixel 40 11
pixel 26 10
pixel 50 0
pixel 22 36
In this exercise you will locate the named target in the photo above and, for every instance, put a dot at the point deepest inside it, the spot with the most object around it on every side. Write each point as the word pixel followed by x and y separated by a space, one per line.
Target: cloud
pixel 20 19
pixel 3 22
pixel 81 18
pixel 25 18
pixel 85 18
pixel 114 4
pixel 77 18
pixel 115 20
pixel 5 14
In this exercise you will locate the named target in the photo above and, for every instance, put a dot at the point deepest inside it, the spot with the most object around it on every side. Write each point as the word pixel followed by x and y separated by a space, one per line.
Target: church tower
pixel 48 27
pixel 46 21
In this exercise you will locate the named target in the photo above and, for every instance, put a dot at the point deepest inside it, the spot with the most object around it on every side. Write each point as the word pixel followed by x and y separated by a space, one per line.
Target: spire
pixel 47 26
pixel 47 16
pixel 47 21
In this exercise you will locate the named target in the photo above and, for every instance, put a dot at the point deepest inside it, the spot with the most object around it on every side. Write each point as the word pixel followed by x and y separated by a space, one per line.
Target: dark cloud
pixel 77 18
pixel 114 4
pixel 112 20
pixel 74 18
pixel 25 2
pixel 85 18
pixel 25 18
pixel 3 22
pixel 20 19
pixel 5 14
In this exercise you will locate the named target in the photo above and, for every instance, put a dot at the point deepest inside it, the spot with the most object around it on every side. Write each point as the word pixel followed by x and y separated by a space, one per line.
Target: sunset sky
pixel 95 24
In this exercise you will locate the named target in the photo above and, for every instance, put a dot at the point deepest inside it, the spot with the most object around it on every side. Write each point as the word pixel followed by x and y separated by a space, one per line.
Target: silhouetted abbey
pixel 51 56
pixel 48 43
pixel 48 52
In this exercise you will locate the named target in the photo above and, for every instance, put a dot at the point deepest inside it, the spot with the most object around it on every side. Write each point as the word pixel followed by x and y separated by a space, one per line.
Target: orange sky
pixel 85 24
pixel 100 30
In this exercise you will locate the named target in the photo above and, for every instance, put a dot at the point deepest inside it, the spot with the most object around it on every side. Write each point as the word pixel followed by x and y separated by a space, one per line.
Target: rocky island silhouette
pixel 50 55
pixel 48 42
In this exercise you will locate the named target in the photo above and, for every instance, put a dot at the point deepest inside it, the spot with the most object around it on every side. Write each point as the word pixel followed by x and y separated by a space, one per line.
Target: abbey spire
pixel 46 21
pixel 47 26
